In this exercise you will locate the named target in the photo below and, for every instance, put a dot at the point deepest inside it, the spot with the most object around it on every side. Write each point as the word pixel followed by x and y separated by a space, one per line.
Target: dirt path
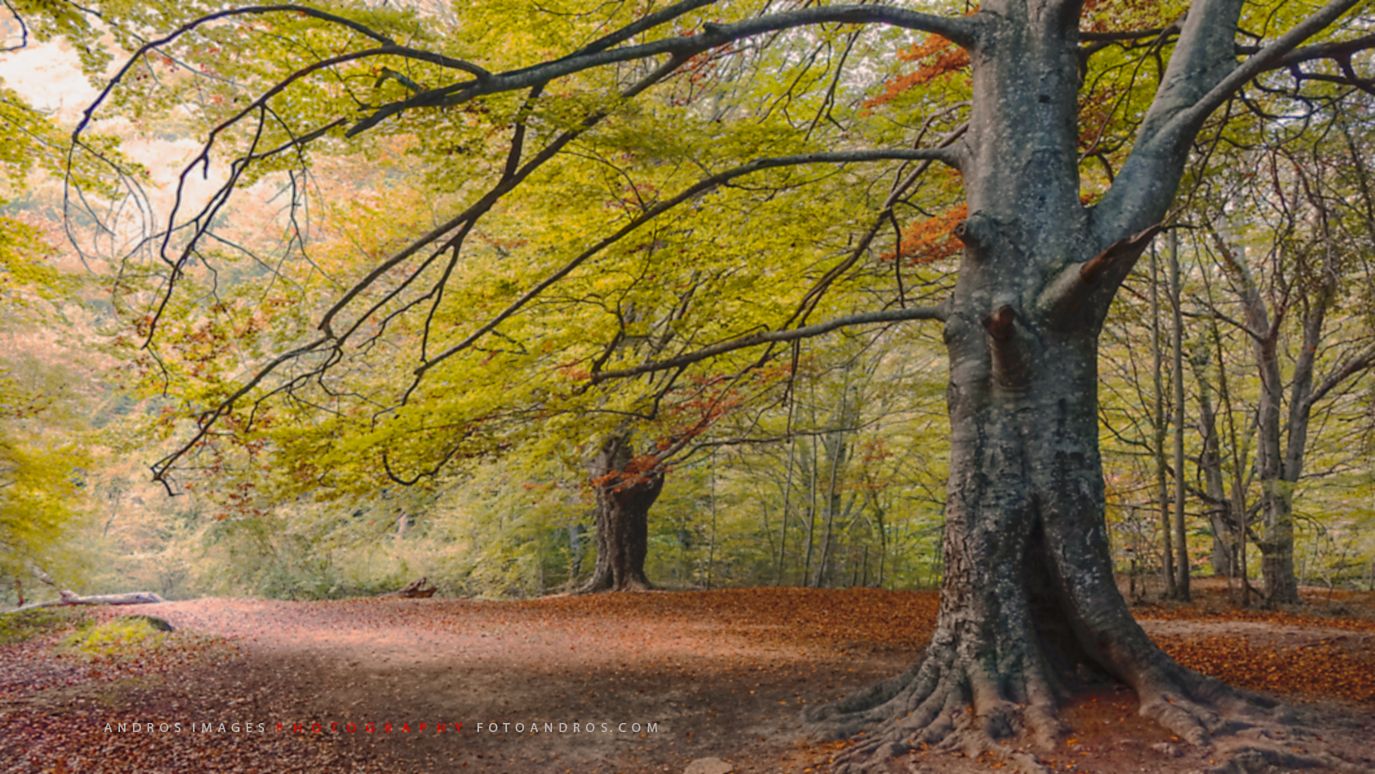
pixel 659 687
pixel 661 679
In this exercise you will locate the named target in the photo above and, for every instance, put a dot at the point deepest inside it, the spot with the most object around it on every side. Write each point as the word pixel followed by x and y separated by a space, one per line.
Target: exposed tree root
pixel 1244 731
pixel 945 705
pixel 600 585
pixel 948 706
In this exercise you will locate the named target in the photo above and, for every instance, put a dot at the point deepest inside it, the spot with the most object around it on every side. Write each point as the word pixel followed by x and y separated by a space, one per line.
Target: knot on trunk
pixel 1006 347
pixel 999 323
pixel 978 231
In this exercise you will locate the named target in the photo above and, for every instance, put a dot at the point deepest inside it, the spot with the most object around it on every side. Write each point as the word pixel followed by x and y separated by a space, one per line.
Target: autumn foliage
pixel 935 57
pixel 928 240
pixel 734 658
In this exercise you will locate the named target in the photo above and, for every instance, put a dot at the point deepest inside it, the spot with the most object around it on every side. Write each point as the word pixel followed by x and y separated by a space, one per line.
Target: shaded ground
pixel 721 674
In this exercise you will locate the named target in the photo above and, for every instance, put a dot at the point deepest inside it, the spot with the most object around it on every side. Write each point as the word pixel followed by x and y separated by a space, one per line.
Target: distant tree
pixel 1310 267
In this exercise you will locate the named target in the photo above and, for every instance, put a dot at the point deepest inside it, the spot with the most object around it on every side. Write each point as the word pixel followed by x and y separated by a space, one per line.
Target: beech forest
pixel 704 386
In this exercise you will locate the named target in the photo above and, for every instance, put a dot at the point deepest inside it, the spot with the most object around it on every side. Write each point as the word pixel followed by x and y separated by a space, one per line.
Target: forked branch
pixel 1087 287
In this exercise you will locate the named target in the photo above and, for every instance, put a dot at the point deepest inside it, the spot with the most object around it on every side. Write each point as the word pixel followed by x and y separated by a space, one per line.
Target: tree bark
pixel 1277 505
pixel 1029 604
pixel 624 496
pixel 787 497
pixel 574 553
pixel 836 446
pixel 1177 345
pixel 1159 425
pixel 1237 502
pixel 1277 508
pixel 1219 506
pixel 811 468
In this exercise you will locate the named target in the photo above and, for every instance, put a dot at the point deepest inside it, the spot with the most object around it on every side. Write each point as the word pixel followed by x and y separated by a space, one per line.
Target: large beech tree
pixel 1028 595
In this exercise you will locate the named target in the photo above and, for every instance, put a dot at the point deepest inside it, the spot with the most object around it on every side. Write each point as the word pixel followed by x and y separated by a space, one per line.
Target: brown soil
pixel 723 674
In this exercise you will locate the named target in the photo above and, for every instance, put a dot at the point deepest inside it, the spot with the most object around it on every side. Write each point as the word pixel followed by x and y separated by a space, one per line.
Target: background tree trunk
pixel 1277 529
pixel 1159 426
pixel 624 497
pixel 1177 346
pixel 1219 507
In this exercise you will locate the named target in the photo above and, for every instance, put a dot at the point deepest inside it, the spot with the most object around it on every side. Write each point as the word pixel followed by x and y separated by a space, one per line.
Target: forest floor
pixel 716 681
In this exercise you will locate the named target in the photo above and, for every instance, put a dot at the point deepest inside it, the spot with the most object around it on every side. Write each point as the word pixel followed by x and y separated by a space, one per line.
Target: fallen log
pixel 127 598
pixel 421 589
pixel 69 598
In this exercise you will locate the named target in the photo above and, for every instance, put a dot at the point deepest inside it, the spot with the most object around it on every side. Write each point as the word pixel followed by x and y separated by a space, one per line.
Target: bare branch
pixel 208 419
pixel 508 182
pixel 771 337
pixel 961 30
pixel 1201 75
pixel 255 10
pixel 1268 57
pixel 1361 363
pixel 331 342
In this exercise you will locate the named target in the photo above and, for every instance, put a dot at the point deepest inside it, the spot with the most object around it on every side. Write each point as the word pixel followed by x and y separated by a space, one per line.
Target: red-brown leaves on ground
pixel 725 673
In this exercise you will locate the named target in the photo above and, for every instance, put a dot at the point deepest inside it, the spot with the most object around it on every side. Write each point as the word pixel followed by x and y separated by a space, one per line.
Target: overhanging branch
pixel 1202 75
pixel 959 29
pixel 697 189
pixel 1268 57
pixel 771 337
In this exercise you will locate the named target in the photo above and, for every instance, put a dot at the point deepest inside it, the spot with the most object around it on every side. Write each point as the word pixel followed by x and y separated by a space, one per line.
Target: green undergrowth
pixel 27 624
pixel 116 637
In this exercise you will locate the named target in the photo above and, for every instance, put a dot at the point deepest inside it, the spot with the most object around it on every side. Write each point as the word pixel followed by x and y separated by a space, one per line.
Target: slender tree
pixel 1181 541
pixel 1160 427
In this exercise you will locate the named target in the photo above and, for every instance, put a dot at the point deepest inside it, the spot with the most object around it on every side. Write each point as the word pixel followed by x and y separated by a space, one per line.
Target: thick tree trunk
pixel 1028 601
pixel 624 496
pixel 1029 605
